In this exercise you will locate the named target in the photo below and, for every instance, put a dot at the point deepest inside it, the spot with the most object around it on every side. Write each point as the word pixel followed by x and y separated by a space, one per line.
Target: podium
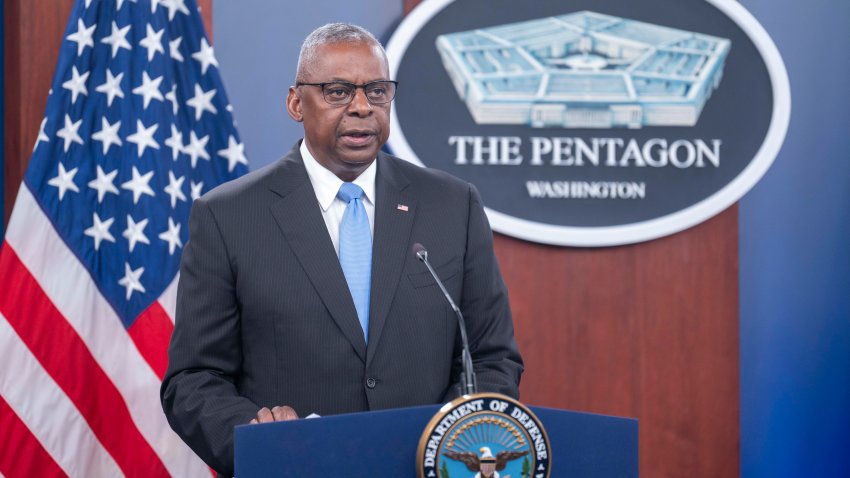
pixel 384 444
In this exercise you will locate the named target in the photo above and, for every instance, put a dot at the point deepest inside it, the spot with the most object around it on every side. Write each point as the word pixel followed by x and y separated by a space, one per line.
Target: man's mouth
pixel 357 138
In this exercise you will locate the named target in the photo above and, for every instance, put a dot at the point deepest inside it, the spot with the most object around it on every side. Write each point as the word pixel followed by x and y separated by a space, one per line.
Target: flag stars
pixel 175 6
pixel 172 236
pixel 77 84
pixel 139 185
pixel 64 181
pixel 143 137
pixel 99 231
pixel 108 134
pixel 174 49
pixel 175 142
pixel 132 280
pixel 197 148
pixel 135 232
pixel 149 89
pixel 117 177
pixel 175 189
pixel 118 39
pixel 229 109
pixel 197 189
pixel 111 87
pixel 42 136
pixel 83 36
pixel 172 97
pixel 205 56
pixel 235 153
pixel 152 41
pixel 70 132
pixel 104 183
pixel 202 101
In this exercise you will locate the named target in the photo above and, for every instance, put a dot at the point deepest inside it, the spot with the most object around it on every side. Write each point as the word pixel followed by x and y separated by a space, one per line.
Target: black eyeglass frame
pixel 355 87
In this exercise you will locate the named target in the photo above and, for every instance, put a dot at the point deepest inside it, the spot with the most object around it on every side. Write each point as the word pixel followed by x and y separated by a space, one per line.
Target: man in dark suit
pixel 297 294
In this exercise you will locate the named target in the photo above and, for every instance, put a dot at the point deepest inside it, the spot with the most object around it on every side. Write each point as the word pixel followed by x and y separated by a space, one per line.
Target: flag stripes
pixel 75 370
pixel 151 333
pixel 41 404
pixel 73 292
pixel 29 457
pixel 168 299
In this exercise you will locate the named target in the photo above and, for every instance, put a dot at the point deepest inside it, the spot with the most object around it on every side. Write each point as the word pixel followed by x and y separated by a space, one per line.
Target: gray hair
pixel 332 33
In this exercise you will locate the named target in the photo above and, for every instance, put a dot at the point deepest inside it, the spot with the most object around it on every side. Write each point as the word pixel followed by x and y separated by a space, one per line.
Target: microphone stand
pixel 468 382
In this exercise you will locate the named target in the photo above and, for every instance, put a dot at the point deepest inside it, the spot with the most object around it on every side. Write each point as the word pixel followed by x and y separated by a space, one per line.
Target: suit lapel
pixel 394 213
pixel 299 218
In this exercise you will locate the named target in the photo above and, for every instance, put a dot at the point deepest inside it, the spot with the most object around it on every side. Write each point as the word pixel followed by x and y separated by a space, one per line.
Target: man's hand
pixel 276 414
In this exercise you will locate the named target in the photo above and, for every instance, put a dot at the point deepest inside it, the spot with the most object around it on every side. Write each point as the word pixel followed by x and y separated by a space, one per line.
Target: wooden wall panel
pixel 34 32
pixel 648 331
pixel 207 16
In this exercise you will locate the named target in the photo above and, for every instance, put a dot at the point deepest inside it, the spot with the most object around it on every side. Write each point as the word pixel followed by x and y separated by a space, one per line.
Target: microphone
pixel 468 383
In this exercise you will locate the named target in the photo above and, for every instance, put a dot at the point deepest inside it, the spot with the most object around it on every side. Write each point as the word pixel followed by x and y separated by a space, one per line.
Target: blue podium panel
pixel 384 443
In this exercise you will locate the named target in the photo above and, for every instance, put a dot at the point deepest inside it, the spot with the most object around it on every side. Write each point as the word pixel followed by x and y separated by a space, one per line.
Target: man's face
pixel 344 139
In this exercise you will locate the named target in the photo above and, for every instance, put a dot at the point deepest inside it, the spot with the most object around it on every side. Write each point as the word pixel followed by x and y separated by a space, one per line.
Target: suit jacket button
pixel 371 382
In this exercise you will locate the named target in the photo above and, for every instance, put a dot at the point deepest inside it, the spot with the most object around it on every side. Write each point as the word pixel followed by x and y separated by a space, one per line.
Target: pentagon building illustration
pixel 584 70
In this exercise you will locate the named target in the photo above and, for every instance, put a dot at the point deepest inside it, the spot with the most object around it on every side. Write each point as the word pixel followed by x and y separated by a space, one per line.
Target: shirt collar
pixel 326 184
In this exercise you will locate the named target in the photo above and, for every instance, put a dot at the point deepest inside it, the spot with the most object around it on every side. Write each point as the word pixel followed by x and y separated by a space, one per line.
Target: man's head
pixel 343 136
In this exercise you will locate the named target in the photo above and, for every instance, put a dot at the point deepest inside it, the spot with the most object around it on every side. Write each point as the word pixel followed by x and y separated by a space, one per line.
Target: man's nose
pixel 360 104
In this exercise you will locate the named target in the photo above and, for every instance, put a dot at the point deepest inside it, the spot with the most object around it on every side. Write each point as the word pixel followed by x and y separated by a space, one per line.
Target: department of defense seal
pixel 485 435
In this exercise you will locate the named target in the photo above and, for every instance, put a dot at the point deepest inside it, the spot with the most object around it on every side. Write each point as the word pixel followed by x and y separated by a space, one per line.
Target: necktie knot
pixel 349 191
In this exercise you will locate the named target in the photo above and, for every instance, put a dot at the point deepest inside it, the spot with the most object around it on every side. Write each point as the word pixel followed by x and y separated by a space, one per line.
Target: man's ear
pixel 293 105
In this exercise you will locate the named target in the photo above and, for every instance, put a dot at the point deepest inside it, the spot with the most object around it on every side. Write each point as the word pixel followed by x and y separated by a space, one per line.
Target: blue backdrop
pixel 794 225
pixel 795 264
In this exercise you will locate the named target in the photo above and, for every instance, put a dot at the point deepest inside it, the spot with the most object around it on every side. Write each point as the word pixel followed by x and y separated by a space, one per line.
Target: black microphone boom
pixel 468 383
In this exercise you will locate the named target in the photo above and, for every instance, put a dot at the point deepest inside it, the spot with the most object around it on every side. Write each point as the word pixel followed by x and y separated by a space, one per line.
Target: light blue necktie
pixel 355 251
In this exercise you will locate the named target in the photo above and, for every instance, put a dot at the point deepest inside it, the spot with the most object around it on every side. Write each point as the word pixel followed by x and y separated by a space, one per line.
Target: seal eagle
pixel 486 464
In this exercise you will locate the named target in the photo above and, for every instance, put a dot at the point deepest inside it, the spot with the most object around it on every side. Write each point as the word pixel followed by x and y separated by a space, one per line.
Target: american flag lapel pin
pixel 402 207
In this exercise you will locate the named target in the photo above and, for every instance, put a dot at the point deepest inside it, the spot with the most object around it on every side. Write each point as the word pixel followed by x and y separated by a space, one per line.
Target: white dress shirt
pixel 326 185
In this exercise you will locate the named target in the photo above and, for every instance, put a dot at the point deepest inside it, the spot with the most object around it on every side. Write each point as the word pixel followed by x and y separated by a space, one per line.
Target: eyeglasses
pixel 341 93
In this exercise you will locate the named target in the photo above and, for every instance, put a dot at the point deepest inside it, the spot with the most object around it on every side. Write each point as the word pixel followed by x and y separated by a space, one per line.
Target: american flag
pixel 137 126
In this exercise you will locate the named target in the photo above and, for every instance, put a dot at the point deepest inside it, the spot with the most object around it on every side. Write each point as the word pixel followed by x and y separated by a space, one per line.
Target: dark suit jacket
pixel 265 318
